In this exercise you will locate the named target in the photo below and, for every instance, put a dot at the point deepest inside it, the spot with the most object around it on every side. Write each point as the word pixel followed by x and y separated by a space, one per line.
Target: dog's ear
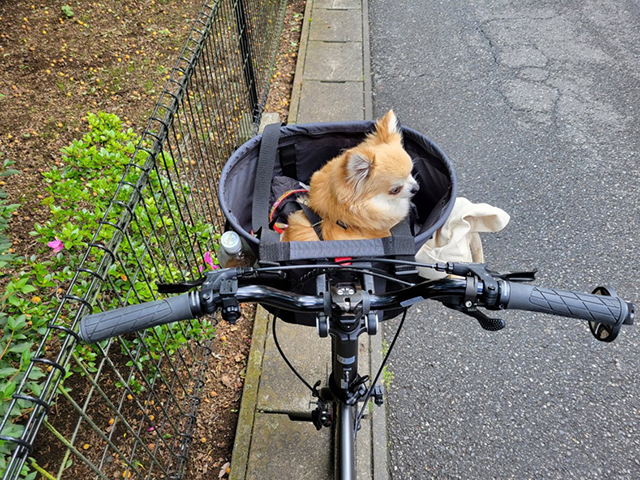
pixel 358 168
pixel 387 128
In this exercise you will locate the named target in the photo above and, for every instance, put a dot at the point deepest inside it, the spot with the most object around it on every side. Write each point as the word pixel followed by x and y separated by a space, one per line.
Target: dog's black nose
pixel 414 189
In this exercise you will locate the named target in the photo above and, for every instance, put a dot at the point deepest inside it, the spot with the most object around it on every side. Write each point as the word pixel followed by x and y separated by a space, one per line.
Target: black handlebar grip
pixel 99 326
pixel 594 308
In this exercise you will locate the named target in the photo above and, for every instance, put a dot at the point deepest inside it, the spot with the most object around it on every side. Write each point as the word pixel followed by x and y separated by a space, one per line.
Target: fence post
pixel 247 57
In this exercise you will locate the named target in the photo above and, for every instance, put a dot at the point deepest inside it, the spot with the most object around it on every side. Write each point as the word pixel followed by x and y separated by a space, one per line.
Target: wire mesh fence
pixel 127 408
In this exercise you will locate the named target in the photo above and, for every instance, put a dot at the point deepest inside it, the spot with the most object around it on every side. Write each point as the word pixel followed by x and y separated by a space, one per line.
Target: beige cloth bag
pixel 458 240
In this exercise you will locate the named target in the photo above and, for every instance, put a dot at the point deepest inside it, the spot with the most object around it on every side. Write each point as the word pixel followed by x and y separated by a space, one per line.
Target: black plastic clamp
pixel 51 363
pixel 66 330
pixel 378 395
pixel 17 441
pixel 230 305
pixel 36 400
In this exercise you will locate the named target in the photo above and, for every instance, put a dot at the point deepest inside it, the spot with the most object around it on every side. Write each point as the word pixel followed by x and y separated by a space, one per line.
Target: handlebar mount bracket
pixel 229 302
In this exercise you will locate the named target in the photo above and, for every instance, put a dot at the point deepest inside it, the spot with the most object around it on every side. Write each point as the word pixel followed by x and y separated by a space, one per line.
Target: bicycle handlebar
pixel 99 326
pixel 511 295
pixel 132 318
pixel 594 308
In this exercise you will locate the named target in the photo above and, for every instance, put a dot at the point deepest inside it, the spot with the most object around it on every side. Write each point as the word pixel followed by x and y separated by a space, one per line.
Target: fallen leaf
pixel 224 470
pixel 226 381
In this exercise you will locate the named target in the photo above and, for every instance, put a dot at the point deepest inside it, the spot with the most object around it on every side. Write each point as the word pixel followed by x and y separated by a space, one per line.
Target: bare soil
pixel 109 56
pixel 58 63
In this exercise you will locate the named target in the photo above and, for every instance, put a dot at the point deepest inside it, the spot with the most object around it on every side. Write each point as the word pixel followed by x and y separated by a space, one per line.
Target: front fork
pixel 345 443
pixel 345 386
pixel 338 402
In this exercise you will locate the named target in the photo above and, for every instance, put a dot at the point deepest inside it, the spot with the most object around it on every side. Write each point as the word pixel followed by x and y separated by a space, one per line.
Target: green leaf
pixel 8 389
pixel 13 430
pixel 28 289
pixel 20 347
pixel 36 374
pixel 7 371
pixel 14 300
pixel 67 11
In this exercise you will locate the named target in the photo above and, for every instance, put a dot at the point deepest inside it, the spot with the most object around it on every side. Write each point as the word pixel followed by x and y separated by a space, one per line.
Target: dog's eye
pixel 395 191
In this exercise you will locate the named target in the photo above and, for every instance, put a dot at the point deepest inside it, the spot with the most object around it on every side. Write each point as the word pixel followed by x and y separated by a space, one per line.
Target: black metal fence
pixel 135 400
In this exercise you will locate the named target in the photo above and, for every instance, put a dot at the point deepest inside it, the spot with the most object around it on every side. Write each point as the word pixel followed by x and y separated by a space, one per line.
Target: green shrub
pixel 78 196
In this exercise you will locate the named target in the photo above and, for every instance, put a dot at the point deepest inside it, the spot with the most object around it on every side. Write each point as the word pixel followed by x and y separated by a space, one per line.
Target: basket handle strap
pixel 404 246
pixel 401 242
pixel 263 179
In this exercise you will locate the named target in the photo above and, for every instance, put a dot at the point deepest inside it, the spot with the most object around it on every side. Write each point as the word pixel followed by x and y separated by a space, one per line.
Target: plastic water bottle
pixel 234 252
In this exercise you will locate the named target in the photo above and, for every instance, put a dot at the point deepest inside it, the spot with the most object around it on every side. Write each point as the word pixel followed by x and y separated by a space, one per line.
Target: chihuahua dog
pixel 363 192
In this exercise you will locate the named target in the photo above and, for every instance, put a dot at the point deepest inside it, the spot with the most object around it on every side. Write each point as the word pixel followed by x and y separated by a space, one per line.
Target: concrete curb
pixel 296 90
pixel 366 62
pixel 246 417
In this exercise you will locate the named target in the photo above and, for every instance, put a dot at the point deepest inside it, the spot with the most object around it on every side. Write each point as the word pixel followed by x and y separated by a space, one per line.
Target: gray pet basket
pixel 303 149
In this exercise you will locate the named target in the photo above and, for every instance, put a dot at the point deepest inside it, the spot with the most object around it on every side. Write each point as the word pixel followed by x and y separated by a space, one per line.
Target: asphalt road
pixel 536 103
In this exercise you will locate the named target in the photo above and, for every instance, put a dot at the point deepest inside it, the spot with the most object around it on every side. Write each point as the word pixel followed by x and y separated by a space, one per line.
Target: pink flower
pixel 57 245
pixel 209 261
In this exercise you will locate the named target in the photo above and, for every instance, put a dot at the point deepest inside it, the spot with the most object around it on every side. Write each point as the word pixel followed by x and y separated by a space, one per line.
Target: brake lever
pixel 180 287
pixel 475 272
pixel 213 278
pixel 487 323
pixel 515 276
pixel 207 281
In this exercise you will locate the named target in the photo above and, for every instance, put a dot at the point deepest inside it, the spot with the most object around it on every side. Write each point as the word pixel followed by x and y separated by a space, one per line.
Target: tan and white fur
pixel 367 188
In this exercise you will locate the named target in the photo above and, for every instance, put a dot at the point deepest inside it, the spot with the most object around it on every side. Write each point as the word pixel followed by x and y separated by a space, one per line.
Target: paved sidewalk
pixel 332 83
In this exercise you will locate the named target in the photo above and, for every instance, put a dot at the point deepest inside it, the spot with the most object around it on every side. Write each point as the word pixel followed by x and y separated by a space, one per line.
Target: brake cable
pixel 308 276
pixel 284 357
pixel 377 377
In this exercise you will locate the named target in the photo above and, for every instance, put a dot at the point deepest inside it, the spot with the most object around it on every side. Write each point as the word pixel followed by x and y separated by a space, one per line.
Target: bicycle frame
pixel 345 386
pixel 344 360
